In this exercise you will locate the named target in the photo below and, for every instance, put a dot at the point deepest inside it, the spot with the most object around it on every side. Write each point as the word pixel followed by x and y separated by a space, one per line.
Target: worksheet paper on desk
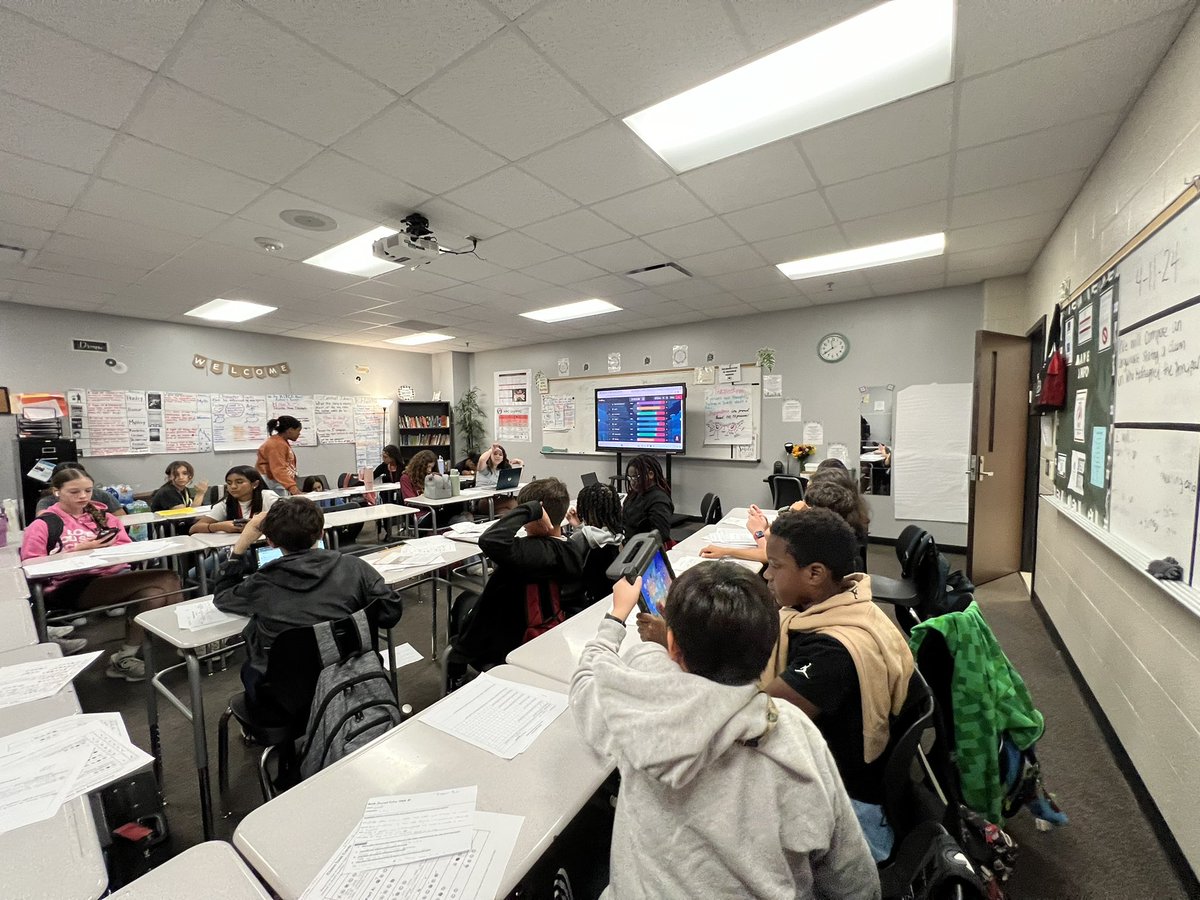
pixel 32 790
pixel 41 678
pixel 103 735
pixel 201 614
pixel 473 875
pixel 731 537
pixel 408 828
pixel 56 565
pixel 426 545
pixel 501 717
pixel 135 549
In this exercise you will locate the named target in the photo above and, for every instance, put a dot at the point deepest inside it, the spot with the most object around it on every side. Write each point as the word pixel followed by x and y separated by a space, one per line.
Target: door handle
pixel 982 473
pixel 975 469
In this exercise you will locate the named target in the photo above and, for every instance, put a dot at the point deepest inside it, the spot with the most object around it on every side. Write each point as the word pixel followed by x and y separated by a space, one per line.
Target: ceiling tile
pixel 764 276
pixel 142 33
pixel 106 229
pixel 624 257
pixel 1009 231
pixel 143 165
pixel 466 267
pixel 757 176
pixel 628 54
pixel 514 9
pixel 40 181
pixel 514 250
pixel 802 245
pixel 605 285
pixel 698 237
pixel 723 261
pixel 688 290
pixel 237 57
pixel 107 198
pixel 39 65
pixel 564 270
pixel 31 213
pixel 266 209
pixel 1059 149
pixel 991 35
pixel 912 185
pixel 1017 256
pixel 885 286
pixel 240 233
pixel 399 44
pixel 928 218
pixel 1041 195
pixel 1090 78
pixel 15 235
pixel 511 197
pixel 770 23
pixel 653 208
pixel 598 164
pixel 88 268
pixel 474 294
pixel 845 286
pixel 580 229
pixel 420 280
pixel 408 144
pixel 894 135
pixel 508 98
pixel 787 216
pixel 127 253
pixel 347 184
pixel 172 116
pixel 515 284
pixel 50 136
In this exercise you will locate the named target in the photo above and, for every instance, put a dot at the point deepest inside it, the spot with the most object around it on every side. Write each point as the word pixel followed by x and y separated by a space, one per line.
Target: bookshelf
pixel 424 426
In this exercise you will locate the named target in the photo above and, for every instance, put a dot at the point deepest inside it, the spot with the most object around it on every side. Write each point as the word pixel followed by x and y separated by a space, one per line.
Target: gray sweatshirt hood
pixel 672 724
pixel 599 537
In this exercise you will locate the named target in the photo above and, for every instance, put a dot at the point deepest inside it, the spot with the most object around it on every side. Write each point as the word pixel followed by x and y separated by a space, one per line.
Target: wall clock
pixel 833 347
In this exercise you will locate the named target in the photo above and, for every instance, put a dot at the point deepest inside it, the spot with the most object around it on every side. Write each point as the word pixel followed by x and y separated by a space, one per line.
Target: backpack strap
pixel 327 644
pixel 54 531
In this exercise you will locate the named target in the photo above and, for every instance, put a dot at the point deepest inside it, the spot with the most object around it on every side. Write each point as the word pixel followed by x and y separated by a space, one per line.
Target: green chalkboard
pixel 1083 465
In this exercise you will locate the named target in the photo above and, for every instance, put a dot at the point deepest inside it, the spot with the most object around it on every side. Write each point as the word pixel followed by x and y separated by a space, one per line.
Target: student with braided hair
pixel 648 506
pixel 598 535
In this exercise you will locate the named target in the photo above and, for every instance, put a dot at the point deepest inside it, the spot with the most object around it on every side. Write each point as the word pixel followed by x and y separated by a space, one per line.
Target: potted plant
pixel 468 417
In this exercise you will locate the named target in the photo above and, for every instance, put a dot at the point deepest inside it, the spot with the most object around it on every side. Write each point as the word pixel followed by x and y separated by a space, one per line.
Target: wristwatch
pixel 759 535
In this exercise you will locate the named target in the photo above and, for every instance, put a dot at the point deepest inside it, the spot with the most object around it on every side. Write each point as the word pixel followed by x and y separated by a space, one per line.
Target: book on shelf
pixel 424 421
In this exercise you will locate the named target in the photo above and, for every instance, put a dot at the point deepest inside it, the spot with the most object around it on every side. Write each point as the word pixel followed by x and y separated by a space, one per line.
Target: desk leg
pixel 39 610
pixel 152 709
pixel 433 586
pixel 201 574
pixel 333 538
pixel 201 743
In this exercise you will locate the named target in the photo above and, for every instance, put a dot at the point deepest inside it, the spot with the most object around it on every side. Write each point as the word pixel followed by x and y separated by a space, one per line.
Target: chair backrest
pixel 596 583
pixel 349 479
pixel 786 490
pixel 710 509
pixel 589 478
pixel 212 495
pixel 901 804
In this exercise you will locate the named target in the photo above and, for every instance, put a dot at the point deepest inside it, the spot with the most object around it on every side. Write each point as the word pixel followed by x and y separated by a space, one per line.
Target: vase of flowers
pixel 802 452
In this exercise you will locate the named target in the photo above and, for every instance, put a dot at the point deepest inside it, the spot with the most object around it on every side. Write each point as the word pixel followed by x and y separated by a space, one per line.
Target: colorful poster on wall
pixel 298 406
pixel 512 423
pixel 334 418
pixel 512 387
pixel 370 418
pixel 239 421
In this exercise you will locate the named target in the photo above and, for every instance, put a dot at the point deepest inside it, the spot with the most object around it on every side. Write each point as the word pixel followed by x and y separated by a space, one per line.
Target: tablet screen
pixel 656 581
pixel 270 554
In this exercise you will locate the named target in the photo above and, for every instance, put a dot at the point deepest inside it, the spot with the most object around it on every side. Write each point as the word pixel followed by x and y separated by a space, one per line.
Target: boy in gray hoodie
pixel 724 792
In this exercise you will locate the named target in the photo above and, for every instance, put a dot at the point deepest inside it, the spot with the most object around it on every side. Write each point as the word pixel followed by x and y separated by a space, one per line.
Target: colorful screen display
pixel 656 582
pixel 644 418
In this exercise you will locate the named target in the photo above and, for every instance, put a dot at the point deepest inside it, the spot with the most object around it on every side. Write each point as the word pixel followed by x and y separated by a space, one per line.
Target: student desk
pixel 341 493
pixel 16 620
pixel 468 495
pixel 163 623
pixel 288 840
pixel 363 514
pixel 414 576
pixel 59 857
pixel 43 568
pixel 208 871
pixel 158 522
pixel 10 556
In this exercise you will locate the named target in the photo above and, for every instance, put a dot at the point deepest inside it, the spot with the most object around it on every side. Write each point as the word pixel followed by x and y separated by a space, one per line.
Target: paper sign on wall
pixel 614 362
pixel 679 355
pixel 840 452
pixel 772 386
pixel 792 411
pixel 1104 340
pixel 729 374
pixel 706 374
pixel 814 433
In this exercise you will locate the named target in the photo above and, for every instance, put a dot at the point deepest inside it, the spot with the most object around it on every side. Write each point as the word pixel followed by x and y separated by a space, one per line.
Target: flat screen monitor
pixel 646 418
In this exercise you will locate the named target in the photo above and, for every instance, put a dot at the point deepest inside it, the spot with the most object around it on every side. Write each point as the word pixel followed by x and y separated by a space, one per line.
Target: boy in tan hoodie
pixel 724 791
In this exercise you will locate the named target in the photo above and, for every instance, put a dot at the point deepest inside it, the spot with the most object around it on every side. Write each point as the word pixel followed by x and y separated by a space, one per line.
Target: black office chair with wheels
pixel 785 490
pixel 710 509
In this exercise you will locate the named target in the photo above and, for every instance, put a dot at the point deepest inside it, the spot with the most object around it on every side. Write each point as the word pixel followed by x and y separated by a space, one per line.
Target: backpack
pixel 939 590
pixel 1050 385
pixel 543 608
pixel 54 530
pixel 353 703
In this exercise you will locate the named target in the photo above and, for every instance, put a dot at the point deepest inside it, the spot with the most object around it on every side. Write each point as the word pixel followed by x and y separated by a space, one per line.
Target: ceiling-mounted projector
pixel 414 246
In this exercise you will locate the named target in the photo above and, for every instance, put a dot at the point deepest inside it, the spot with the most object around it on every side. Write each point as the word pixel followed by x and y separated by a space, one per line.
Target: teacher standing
pixel 276 459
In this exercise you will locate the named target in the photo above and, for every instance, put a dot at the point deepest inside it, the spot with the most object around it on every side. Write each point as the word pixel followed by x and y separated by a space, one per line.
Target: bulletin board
pixel 569 407
pixel 1127 450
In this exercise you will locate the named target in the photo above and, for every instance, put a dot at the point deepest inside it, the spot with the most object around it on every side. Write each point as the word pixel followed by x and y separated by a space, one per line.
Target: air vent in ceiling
pixel 308 220
pixel 663 273
pixel 415 325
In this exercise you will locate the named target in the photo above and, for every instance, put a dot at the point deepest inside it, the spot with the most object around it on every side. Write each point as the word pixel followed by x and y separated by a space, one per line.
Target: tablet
pixel 264 554
pixel 656 582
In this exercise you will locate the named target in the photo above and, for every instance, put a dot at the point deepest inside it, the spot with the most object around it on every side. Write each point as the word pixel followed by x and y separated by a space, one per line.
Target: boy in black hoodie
pixel 305 586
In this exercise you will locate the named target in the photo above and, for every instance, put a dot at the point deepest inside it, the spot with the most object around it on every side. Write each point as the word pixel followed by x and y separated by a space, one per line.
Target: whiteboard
pixel 929 462
pixel 580 438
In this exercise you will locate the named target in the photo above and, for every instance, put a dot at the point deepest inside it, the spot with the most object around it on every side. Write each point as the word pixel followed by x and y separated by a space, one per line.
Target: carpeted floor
pixel 1108 850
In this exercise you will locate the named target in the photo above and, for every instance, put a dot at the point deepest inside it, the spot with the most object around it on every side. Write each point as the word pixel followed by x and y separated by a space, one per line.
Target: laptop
pixel 508 479
pixel 265 554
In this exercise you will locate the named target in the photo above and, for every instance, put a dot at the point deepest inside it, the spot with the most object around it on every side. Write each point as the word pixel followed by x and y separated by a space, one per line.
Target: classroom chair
pixel 212 495
pixel 590 478
pixel 347 534
pixel 710 509
pixel 785 490
pixel 278 718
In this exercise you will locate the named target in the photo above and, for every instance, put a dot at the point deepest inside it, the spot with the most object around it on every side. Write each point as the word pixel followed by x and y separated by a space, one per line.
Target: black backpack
pixel 353 703
pixel 939 591
pixel 54 530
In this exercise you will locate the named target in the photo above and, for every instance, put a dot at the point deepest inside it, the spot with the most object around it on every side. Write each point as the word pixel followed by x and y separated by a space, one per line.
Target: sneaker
pixel 57 631
pixel 69 645
pixel 128 667
pixel 78 623
pixel 115 613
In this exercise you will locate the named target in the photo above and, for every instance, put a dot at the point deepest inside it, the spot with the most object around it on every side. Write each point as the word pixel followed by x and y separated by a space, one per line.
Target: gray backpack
pixel 353 703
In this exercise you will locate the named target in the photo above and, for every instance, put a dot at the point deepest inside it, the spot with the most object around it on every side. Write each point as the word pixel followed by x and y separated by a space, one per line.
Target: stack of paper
pixel 470 527
pixel 42 678
pixel 48 765
pixel 731 537
pixel 501 717
pixel 201 614
pixel 57 565
pixel 421 845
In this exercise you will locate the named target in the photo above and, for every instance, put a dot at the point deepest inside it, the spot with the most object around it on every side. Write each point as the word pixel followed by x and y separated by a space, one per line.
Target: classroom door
pixel 996 466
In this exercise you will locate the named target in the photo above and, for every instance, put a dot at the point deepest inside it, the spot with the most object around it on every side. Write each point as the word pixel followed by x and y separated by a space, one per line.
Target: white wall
pixel 911 339
pixel 1137 648
pixel 36 355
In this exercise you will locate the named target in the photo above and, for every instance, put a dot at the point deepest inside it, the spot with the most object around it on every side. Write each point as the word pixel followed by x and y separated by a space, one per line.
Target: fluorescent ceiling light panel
pixel 866 257
pixel 580 310
pixel 424 337
pixel 230 310
pixel 895 50
pixel 354 257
